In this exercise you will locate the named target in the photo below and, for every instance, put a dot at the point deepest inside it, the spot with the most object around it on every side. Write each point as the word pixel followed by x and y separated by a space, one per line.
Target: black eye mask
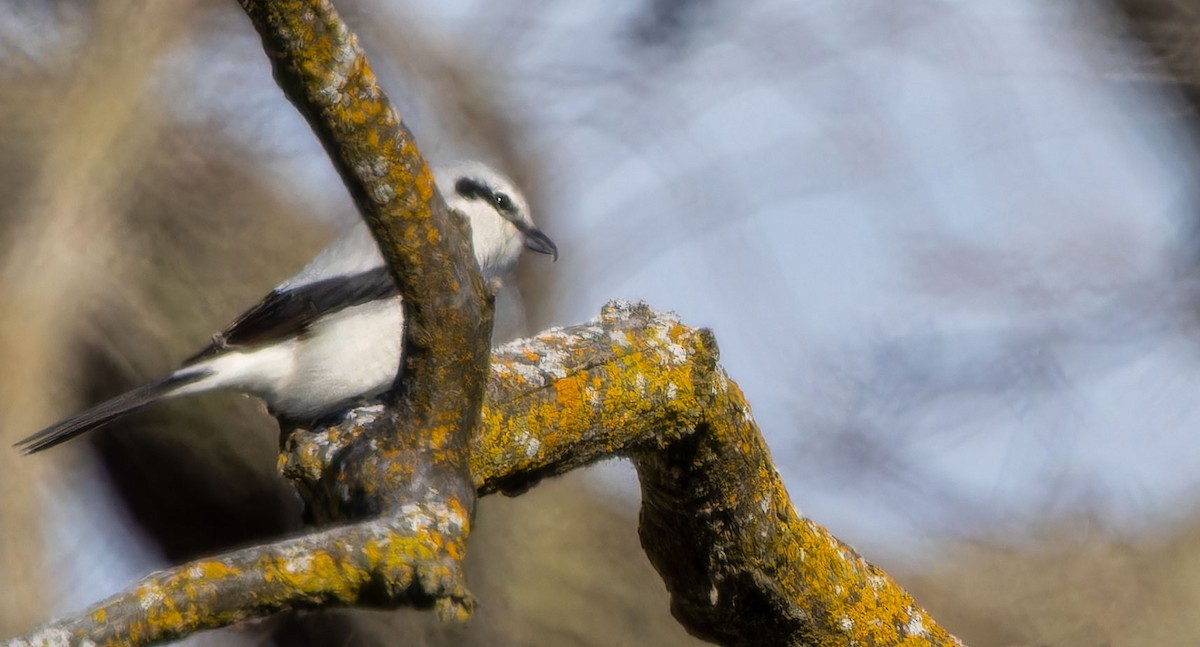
pixel 474 190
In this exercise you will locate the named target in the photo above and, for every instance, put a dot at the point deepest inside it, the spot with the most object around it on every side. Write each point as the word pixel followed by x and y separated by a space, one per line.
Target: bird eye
pixel 504 203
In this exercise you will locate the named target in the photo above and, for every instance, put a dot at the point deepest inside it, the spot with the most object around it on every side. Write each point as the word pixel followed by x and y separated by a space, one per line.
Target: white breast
pixel 354 352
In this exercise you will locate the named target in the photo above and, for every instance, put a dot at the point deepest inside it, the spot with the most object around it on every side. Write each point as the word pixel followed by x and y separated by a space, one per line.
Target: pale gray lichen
pixel 553 362
pixel 381 192
pixel 50 637
pixel 527 373
pixel 916 624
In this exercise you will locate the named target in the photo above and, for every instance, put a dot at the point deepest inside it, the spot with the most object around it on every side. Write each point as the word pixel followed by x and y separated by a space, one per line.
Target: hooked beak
pixel 538 242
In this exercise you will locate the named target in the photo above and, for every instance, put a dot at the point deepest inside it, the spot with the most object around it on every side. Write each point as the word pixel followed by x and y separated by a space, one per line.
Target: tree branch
pixel 447 308
pixel 371 563
pixel 417 450
pixel 741 565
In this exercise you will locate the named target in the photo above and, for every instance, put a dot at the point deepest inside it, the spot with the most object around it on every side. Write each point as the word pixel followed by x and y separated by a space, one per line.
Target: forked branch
pixel 741 565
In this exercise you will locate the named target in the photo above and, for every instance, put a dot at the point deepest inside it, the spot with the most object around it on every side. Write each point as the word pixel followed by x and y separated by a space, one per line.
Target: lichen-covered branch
pixel 375 563
pixel 416 449
pixel 447 309
pixel 742 566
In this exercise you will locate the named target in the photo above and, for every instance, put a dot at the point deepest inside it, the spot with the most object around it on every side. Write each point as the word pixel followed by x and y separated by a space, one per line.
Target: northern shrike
pixel 330 334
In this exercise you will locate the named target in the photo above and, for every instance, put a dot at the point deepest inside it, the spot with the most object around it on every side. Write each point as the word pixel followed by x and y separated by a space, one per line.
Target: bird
pixel 330 335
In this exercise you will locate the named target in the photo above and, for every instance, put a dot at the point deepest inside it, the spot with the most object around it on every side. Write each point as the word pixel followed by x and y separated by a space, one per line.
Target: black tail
pixel 105 412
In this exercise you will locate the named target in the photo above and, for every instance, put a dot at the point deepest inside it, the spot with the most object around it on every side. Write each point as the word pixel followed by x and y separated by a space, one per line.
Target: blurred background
pixel 949 250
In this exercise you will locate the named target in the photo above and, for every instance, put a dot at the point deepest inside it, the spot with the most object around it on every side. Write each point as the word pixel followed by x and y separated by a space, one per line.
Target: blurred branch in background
pixel 121 215
pixel 1170 31
pixel 79 132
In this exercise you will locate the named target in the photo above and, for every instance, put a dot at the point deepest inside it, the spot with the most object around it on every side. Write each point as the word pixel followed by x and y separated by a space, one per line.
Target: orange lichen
pixel 214 569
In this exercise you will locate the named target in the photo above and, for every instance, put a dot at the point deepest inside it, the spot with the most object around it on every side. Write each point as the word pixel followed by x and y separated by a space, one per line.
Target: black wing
pixel 285 313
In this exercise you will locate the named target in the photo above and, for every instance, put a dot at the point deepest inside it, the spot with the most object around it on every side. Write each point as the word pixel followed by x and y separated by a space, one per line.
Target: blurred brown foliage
pixel 1072 583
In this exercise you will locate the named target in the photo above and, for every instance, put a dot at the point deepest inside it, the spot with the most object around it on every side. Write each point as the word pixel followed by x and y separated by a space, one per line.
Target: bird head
pixel 498 214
